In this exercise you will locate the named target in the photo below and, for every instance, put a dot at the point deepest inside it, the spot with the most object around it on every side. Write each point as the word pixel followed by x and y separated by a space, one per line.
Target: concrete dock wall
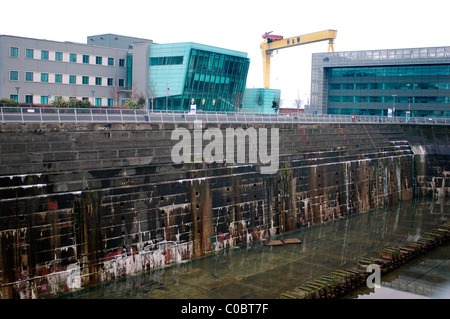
pixel 89 202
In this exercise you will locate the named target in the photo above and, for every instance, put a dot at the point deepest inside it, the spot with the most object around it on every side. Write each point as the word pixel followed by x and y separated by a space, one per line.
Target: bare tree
pixel 115 94
pixel 298 102
pixel 133 94
pixel 238 97
pixel 259 101
pixel 276 104
pixel 152 92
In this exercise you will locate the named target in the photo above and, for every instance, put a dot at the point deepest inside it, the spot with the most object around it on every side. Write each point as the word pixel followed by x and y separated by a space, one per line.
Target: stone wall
pixel 431 147
pixel 82 203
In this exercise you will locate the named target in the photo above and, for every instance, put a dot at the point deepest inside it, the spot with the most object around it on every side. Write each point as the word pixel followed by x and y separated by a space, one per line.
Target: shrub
pixel 131 104
pixel 75 103
pixel 60 102
pixel 9 102
pixel 141 101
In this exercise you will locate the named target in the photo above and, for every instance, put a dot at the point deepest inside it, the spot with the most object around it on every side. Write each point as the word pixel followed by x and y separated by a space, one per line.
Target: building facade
pixel 400 82
pixel 260 100
pixel 39 71
pixel 110 69
pixel 184 74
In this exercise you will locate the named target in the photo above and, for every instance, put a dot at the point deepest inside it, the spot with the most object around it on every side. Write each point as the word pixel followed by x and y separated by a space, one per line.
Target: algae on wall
pixel 89 234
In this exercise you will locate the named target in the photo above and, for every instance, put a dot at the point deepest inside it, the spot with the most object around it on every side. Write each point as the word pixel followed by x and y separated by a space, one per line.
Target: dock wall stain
pixel 89 202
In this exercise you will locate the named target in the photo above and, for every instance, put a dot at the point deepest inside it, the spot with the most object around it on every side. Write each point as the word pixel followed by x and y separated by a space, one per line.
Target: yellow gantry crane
pixel 275 42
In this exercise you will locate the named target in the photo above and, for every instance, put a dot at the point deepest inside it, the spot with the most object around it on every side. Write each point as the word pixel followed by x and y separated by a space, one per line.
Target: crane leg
pixel 266 68
pixel 330 46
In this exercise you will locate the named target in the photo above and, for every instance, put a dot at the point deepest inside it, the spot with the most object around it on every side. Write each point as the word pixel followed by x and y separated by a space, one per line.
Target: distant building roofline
pixel 119 35
pixel 385 49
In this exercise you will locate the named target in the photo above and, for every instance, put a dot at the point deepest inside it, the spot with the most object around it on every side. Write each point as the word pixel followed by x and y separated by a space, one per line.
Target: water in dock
pixel 262 271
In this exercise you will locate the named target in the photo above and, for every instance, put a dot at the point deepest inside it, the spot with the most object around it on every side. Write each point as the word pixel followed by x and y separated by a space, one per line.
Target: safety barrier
pixel 93 115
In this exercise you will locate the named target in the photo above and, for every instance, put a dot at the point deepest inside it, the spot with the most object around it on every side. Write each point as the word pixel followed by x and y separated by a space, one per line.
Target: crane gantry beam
pixel 274 42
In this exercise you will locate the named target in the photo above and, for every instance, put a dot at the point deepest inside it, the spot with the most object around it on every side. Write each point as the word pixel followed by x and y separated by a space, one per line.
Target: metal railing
pixel 104 115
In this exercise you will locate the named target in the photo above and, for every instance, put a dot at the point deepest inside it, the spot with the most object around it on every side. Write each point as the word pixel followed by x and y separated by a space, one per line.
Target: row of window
pixel 70 79
pixel 390 99
pixel 391 86
pixel 384 112
pixel 44 99
pixel 205 61
pixel 404 70
pixel 63 57
pixel 169 60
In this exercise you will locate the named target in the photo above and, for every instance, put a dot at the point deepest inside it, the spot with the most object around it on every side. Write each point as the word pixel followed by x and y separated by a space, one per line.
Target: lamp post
pixel 167 97
pixel 393 104
pixel 17 90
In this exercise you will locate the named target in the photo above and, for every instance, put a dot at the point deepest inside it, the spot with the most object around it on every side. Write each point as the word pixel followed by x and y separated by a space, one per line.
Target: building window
pixel 98 60
pixel 14 75
pixel 29 76
pixel 73 57
pixel 14 52
pixel 121 62
pixel 14 97
pixel 44 55
pixel 85 58
pixel 121 82
pixel 44 77
pixel 58 78
pixel 58 56
pixel 170 60
pixel 110 81
pixel 29 53
pixel 72 79
pixel 29 99
pixel 98 101
pixel 110 102
pixel 98 81
pixel 111 61
pixel 44 99
pixel 85 80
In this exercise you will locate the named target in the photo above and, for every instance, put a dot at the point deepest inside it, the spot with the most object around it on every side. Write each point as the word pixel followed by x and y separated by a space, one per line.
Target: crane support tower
pixel 275 42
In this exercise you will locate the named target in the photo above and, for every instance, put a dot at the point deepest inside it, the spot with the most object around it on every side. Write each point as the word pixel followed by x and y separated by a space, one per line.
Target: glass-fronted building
pixel 185 74
pixel 382 82
pixel 111 69
pixel 260 100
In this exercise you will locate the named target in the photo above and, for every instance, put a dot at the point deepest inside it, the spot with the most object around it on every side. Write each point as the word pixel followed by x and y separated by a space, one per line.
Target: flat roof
pixel 203 47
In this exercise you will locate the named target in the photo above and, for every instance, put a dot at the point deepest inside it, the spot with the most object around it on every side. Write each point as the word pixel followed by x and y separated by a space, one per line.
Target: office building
pixel 382 82
pixel 39 71
pixel 111 68
pixel 181 75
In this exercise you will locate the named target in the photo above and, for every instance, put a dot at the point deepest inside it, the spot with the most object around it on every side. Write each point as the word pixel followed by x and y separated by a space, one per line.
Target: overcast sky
pixel 238 25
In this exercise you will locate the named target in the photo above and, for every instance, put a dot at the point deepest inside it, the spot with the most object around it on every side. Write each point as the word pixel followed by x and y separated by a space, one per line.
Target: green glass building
pixel 184 74
pixel 382 82
pixel 260 100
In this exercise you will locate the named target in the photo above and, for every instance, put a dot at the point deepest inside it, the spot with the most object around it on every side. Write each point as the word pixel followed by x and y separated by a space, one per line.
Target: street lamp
pixel 167 97
pixel 393 104
pixel 17 90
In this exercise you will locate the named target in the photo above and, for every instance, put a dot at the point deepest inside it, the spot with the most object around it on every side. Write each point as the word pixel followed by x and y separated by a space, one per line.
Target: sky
pixel 239 25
